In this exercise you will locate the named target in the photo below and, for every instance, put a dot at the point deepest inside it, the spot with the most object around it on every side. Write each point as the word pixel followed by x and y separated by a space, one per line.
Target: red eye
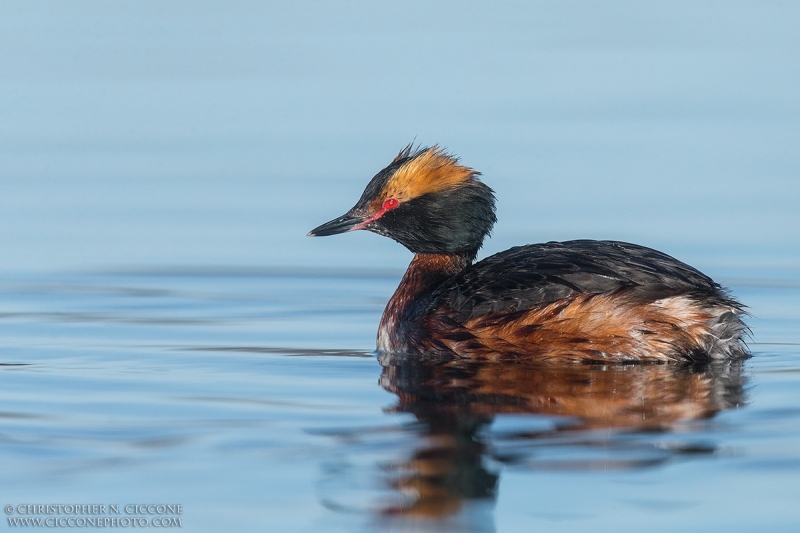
pixel 391 203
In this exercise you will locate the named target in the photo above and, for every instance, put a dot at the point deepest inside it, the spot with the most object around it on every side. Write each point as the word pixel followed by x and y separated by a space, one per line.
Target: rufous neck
pixel 424 274
pixel 428 270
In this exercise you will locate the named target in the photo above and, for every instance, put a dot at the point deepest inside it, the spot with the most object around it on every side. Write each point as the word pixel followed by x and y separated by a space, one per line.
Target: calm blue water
pixel 169 335
pixel 250 397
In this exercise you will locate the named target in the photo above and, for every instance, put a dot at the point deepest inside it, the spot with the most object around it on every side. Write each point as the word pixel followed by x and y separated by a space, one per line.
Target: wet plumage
pixel 573 301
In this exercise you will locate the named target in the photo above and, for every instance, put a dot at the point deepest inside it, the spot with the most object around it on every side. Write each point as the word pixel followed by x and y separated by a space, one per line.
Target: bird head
pixel 425 200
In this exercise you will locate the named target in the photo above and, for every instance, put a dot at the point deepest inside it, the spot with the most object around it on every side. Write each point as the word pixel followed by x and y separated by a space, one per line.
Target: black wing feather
pixel 526 276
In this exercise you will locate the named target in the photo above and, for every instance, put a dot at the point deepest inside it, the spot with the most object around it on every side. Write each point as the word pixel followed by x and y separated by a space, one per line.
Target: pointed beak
pixel 347 222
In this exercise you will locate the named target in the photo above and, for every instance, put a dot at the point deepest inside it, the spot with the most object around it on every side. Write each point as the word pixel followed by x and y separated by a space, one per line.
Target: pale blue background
pixel 217 134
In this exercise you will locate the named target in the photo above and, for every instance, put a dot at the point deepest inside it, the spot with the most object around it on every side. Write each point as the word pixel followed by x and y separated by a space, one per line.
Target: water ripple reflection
pixel 474 419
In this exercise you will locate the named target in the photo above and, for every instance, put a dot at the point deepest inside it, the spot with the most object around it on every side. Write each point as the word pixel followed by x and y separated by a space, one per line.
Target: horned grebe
pixel 588 301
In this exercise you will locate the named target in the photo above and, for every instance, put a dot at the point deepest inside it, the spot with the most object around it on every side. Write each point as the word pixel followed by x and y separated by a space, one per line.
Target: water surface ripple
pixel 253 398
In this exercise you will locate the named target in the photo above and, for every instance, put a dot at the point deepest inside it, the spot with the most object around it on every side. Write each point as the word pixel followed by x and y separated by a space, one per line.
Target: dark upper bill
pixel 344 223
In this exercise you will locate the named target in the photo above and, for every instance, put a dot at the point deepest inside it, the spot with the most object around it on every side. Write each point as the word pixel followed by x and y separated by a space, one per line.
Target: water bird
pixel 577 301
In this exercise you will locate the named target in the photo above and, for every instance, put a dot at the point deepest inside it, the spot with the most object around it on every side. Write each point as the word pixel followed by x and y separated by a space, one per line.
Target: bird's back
pixel 527 276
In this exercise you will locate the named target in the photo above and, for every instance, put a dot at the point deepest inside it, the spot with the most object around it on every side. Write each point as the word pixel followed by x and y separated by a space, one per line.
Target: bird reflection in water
pixel 588 417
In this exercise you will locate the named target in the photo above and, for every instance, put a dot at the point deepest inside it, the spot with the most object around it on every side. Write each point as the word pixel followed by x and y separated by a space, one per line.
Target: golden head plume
pixel 427 170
